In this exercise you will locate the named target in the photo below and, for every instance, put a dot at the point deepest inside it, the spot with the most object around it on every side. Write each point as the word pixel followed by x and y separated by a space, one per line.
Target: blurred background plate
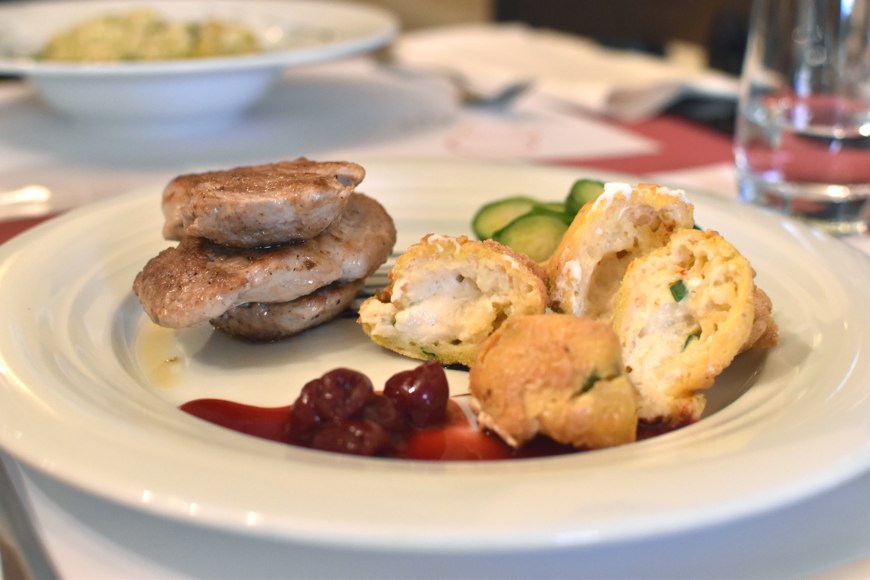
pixel 183 94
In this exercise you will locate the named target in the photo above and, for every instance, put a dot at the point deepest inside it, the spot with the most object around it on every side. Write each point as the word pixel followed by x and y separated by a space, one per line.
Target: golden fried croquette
pixel 624 223
pixel 683 312
pixel 557 375
pixel 447 294
pixel 765 331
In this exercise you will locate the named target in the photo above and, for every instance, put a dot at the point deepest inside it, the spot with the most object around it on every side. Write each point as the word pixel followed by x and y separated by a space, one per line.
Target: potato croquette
pixel 446 295
pixel 557 375
pixel 624 223
pixel 683 312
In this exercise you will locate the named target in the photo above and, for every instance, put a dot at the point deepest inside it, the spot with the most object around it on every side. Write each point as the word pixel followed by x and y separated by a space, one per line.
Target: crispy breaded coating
pixel 554 374
pixel 624 223
pixel 765 331
pixel 446 295
pixel 683 312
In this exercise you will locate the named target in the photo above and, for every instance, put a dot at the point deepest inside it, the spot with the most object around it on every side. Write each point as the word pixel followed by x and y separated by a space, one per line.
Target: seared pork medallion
pixel 267 321
pixel 199 280
pixel 274 291
pixel 259 205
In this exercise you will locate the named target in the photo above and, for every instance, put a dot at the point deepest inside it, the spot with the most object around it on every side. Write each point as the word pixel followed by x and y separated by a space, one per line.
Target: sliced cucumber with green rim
pixel 582 192
pixel 557 206
pixel 536 234
pixel 497 214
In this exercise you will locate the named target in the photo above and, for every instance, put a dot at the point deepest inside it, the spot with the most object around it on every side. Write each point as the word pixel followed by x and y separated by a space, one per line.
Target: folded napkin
pixel 622 84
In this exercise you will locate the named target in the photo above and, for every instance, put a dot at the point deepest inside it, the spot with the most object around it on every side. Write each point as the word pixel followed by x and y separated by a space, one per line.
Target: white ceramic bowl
pixel 189 93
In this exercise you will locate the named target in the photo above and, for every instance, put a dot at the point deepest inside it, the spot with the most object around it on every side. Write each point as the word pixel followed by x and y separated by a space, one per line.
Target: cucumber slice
pixel 497 214
pixel 536 234
pixel 556 206
pixel 582 192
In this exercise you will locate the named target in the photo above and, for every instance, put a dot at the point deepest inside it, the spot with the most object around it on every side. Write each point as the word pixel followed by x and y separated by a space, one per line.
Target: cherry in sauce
pixel 455 440
pixel 413 418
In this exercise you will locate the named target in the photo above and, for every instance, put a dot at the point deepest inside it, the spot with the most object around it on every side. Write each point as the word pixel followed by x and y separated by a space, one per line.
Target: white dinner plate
pixel 199 93
pixel 81 400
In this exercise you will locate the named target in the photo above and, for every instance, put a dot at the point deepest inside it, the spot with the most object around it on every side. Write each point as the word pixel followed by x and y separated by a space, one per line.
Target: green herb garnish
pixel 679 290
pixel 692 337
pixel 588 384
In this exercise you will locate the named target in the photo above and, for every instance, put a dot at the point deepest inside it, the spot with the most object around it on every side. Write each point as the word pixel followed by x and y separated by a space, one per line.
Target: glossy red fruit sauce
pixel 412 419
pixel 454 440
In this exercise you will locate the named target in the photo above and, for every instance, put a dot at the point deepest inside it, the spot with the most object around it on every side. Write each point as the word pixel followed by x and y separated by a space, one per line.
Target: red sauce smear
pixel 456 440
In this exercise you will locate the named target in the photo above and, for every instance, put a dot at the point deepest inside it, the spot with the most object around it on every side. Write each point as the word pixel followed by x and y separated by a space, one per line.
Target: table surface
pixel 826 536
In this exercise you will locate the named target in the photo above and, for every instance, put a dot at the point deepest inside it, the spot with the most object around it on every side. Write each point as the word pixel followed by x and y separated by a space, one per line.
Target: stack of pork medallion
pixel 265 251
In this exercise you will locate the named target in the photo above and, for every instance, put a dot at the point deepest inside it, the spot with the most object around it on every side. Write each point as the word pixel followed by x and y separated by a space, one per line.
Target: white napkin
pixel 622 84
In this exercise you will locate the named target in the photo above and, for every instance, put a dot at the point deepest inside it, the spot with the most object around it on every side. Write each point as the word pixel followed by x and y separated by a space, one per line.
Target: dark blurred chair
pixel 647 25
pixel 718 26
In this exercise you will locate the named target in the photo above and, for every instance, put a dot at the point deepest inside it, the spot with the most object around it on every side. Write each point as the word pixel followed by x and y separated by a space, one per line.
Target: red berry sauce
pixel 413 418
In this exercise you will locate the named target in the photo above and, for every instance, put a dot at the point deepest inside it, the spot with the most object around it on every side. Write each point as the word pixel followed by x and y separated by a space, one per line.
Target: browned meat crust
pixel 259 205
pixel 199 280
pixel 268 321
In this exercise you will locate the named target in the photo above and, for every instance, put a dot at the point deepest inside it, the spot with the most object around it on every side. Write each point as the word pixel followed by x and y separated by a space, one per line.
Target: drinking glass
pixel 802 140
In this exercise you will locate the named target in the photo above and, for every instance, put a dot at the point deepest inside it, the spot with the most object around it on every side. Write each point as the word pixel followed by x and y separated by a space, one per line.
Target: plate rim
pixel 822 481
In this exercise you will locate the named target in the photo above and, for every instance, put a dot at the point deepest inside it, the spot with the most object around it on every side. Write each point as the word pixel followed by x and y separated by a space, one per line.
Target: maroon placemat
pixel 681 145
pixel 11 228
